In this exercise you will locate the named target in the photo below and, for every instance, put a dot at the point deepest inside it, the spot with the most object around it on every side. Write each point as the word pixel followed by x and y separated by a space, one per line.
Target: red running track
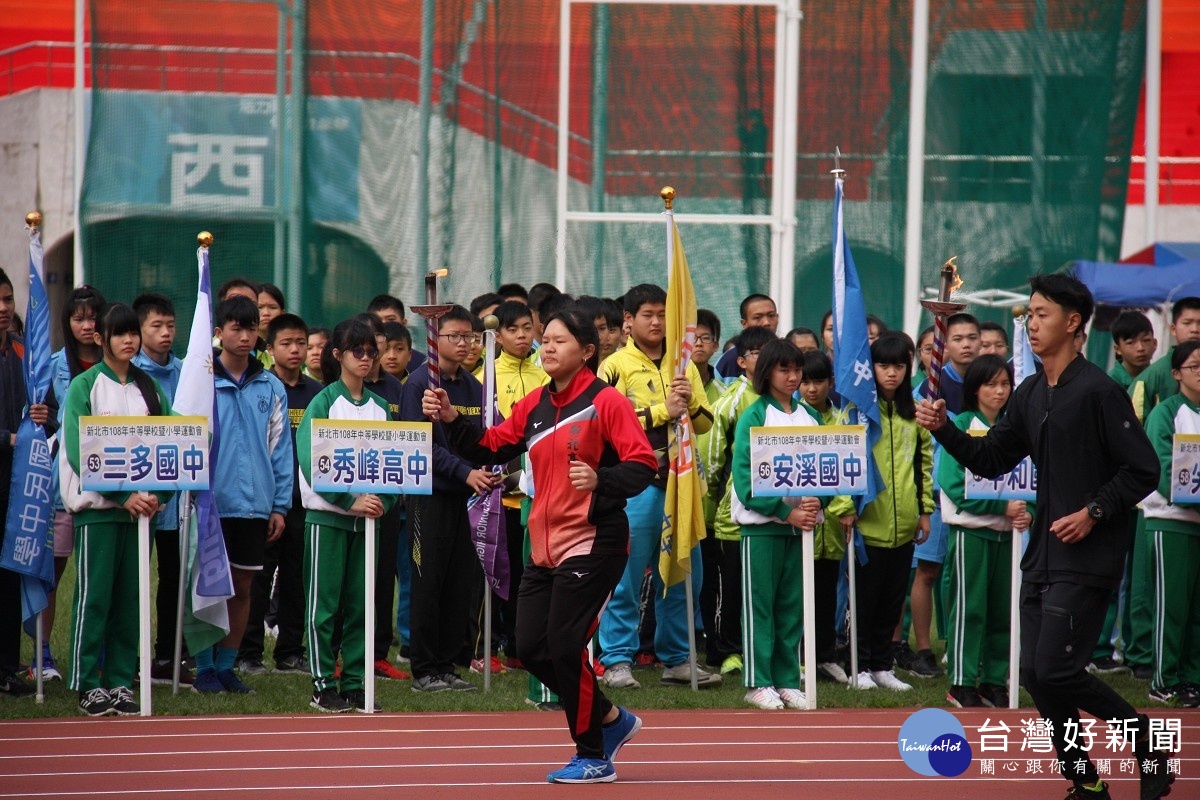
pixel 726 754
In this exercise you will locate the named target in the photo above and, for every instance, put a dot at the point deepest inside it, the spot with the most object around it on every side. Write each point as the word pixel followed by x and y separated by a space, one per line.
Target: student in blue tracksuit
pixel 252 475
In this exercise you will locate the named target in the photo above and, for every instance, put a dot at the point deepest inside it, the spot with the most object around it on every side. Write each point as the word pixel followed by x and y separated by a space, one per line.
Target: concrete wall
pixel 37 151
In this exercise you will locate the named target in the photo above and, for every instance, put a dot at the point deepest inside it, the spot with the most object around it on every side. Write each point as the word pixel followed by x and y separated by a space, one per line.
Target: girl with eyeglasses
pixel 1173 526
pixel 335 525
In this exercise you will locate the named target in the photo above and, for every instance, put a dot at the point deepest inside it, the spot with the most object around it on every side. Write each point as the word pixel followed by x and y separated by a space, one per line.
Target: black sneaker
pixel 163 672
pixel 430 684
pixel 357 700
pixel 1106 665
pixel 1143 672
pixel 13 686
pixel 964 697
pixel 123 704
pixel 903 655
pixel 457 684
pixel 250 666
pixel 329 701
pixel 994 695
pixel 1188 695
pixel 1079 792
pixel 293 664
pixel 1166 696
pixel 1156 778
pixel 96 703
pixel 924 665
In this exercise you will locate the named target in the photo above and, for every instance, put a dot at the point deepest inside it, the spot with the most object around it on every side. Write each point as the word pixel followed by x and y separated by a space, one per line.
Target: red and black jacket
pixel 588 421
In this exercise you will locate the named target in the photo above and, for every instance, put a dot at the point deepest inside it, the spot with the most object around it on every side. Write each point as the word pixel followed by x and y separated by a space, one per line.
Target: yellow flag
pixel 683 511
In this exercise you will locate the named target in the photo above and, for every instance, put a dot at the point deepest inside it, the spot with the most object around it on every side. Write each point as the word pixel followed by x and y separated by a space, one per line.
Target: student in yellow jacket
pixel 642 372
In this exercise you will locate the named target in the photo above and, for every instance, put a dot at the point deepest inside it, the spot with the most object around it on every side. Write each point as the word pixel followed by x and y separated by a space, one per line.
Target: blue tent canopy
pixel 1139 285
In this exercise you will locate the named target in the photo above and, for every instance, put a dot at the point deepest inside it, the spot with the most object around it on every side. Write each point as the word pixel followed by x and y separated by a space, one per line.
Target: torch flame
pixel 953 268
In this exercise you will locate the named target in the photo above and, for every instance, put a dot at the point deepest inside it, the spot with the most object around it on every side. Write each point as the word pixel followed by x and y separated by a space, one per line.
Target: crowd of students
pixel 926 552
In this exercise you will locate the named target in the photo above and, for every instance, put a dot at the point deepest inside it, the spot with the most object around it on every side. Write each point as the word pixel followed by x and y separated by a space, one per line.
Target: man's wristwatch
pixel 1095 511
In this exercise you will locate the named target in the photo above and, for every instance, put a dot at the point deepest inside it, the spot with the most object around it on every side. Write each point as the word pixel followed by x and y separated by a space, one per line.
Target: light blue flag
pixel 211 583
pixel 853 372
pixel 1024 364
pixel 28 544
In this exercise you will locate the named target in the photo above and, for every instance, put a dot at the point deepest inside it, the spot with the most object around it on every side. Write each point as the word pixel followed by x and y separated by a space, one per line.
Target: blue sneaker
pixel 620 731
pixel 232 683
pixel 207 682
pixel 584 770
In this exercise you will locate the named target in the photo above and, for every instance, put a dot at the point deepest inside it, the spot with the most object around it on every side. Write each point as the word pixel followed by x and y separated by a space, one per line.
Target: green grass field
pixel 290 693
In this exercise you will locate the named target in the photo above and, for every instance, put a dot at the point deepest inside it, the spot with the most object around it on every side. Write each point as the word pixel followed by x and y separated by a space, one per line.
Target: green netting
pixel 1031 108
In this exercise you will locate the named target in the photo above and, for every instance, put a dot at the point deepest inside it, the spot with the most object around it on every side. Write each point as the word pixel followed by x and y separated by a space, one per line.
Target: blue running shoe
pixel 232 683
pixel 207 682
pixel 620 731
pixel 584 770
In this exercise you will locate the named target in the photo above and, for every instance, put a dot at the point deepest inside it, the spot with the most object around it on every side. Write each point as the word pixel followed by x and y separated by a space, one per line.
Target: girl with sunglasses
pixel 335 524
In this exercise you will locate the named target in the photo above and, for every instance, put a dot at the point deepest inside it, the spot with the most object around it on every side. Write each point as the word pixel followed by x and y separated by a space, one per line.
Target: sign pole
pixel 185 521
pixel 1014 622
pixel 369 617
pixel 807 553
pixel 144 645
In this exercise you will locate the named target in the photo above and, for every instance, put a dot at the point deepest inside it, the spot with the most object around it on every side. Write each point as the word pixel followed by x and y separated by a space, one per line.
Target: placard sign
pixel 372 457
pixel 809 461
pixel 135 454
pixel 1185 468
pixel 1019 484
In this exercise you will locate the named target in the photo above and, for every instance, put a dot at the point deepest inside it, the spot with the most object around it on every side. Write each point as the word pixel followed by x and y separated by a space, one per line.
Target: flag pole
pixel 667 193
pixel 34 220
pixel 808 575
pixel 1014 585
pixel 185 521
pixel 491 323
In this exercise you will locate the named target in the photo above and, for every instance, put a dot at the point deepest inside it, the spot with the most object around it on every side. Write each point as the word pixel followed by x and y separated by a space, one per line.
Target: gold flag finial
pixel 491 322
pixel 667 193
pixel 33 219
pixel 204 238
pixel 1018 312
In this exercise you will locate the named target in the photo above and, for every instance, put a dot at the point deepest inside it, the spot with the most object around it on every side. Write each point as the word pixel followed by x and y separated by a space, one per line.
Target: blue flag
pixel 207 620
pixel 853 372
pixel 28 547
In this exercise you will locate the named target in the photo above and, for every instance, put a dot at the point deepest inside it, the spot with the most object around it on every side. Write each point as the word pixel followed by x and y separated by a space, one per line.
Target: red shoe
pixel 337 668
pixel 384 669
pixel 497 667
pixel 511 663
pixel 646 661
pixel 598 668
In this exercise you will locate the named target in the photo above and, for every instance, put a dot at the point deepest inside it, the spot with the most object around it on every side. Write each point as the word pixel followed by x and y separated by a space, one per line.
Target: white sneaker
pixel 832 669
pixel 681 675
pixel 793 698
pixel 620 676
pixel 886 679
pixel 764 697
pixel 861 681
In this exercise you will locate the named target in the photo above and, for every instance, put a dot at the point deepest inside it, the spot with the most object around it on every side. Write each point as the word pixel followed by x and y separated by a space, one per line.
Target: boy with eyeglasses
pixel 445 567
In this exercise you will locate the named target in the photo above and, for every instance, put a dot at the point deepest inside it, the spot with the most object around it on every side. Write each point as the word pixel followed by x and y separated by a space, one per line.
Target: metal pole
pixel 144 645
pixel 295 291
pixel 80 160
pixel 787 257
pixel 424 120
pixel 853 603
pixel 1014 623
pixel 497 163
pixel 807 555
pixel 915 198
pixel 1037 139
pixel 1153 114
pixel 564 122
pixel 601 27
pixel 280 252
pixel 778 138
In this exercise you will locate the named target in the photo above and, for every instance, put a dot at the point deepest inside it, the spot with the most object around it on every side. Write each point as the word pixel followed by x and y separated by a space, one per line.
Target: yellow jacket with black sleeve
pixel 644 381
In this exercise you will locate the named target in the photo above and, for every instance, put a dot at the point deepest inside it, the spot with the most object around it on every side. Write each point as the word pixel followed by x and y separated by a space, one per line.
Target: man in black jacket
pixel 1094 465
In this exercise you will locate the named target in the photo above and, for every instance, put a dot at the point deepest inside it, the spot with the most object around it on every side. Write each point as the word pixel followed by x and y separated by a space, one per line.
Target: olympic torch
pixel 942 309
pixel 432 311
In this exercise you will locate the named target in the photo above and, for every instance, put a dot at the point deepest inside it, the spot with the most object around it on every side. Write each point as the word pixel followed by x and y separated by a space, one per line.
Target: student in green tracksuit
pixel 335 524
pixel 105 624
pixel 1174 533
pixel 979 557
pixel 772 570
